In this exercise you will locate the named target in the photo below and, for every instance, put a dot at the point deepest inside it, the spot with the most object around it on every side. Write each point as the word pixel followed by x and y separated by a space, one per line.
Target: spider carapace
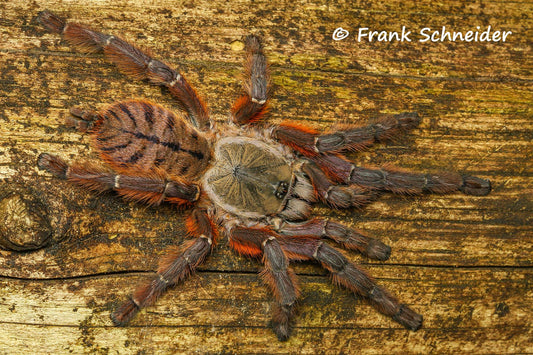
pixel 254 182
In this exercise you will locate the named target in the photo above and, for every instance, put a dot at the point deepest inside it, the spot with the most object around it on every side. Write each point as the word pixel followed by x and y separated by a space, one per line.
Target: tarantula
pixel 253 181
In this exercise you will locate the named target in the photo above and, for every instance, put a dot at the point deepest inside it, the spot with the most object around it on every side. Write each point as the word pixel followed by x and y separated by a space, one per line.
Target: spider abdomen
pixel 248 177
pixel 144 136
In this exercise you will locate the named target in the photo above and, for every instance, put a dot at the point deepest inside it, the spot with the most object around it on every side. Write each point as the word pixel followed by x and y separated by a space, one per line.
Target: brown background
pixel 463 262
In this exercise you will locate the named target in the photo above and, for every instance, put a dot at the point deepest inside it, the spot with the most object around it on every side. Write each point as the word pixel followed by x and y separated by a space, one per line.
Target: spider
pixel 251 181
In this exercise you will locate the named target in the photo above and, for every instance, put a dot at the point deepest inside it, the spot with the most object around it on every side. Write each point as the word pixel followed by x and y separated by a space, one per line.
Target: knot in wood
pixel 25 223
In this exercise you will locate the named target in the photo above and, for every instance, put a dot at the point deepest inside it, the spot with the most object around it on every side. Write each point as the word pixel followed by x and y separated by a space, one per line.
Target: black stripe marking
pixel 173 146
pixel 116 147
pixel 125 109
pixel 148 113
pixel 114 114
pixel 170 121
pixel 133 159
pixel 104 139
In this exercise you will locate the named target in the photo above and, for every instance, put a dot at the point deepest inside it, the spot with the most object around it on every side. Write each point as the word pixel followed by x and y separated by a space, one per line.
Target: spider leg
pixel 324 150
pixel 386 179
pixel 251 106
pixel 81 119
pixel 277 274
pixel 347 237
pixel 337 196
pixel 176 265
pixel 144 187
pixel 310 142
pixel 132 61
pixel 350 276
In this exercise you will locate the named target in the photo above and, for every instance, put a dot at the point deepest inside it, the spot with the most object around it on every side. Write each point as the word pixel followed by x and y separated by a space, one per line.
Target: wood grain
pixel 463 262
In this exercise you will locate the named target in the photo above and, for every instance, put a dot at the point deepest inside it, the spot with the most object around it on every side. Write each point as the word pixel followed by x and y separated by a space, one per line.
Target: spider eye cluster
pixel 282 189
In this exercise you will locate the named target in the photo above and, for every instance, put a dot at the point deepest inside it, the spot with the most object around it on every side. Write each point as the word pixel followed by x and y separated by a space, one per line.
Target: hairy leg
pixel 310 142
pixel 277 274
pixel 149 188
pixel 337 196
pixel 347 237
pixel 251 106
pixel 325 149
pixel 396 181
pixel 350 276
pixel 81 119
pixel 132 61
pixel 176 265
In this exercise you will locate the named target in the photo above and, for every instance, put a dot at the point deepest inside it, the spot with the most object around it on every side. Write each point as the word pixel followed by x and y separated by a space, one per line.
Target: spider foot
pixel 377 250
pixel 281 321
pixel 81 119
pixel 475 186
pixel 124 313
pixel 408 318
pixel 53 165
pixel 407 120
pixel 52 22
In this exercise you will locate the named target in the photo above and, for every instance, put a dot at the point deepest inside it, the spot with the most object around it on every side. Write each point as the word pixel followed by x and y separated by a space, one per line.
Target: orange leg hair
pixel 176 265
pixel 276 274
pixel 251 106
pixel 350 276
pixel 144 187
pixel 310 142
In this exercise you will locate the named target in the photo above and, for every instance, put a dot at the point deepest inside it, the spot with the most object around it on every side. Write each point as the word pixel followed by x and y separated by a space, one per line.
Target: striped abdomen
pixel 141 135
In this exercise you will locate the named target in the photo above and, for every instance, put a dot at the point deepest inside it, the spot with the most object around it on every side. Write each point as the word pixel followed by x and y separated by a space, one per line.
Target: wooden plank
pixel 463 262
pixel 217 312
pixel 202 28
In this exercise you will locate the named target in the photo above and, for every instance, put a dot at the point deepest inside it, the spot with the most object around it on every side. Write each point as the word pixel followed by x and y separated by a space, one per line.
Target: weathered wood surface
pixel 463 262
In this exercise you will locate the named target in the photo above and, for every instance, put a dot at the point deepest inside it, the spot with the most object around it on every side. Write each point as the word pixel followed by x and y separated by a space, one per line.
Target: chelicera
pixel 247 180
